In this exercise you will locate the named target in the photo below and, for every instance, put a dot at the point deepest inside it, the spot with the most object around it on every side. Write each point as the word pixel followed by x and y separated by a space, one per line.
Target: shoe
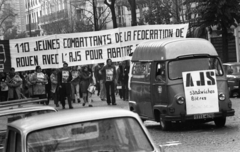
pixel 83 104
pixel 90 105
pixel 63 107
pixel 73 101
pixel 108 103
pixel 79 101
pixel 114 104
pixel 70 107
pixel 103 99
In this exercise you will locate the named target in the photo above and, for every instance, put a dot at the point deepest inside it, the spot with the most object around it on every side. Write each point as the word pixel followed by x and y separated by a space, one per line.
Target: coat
pixel 109 73
pixel 14 86
pixel 86 79
pixel 39 80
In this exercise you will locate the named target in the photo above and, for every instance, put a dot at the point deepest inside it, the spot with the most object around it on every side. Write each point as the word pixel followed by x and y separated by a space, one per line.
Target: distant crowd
pixel 76 84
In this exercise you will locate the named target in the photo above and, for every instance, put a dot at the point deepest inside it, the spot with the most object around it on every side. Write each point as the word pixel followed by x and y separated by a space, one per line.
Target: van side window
pixel 214 64
pixel 141 71
pixel 160 72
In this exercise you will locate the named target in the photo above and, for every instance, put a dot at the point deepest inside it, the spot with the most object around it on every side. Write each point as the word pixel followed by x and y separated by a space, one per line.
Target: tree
pixel 133 4
pixel 14 34
pixel 220 13
pixel 111 5
pixel 159 12
pixel 133 12
pixel 98 16
pixel 6 12
pixel 79 18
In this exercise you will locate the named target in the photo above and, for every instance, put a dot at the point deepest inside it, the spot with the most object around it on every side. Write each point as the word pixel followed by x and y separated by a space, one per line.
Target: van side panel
pixel 140 92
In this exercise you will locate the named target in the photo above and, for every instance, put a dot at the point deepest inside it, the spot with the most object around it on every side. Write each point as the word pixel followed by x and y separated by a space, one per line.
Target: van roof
pixel 171 48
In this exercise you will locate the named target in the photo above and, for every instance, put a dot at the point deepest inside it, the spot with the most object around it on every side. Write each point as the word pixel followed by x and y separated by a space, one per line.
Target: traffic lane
pixel 199 137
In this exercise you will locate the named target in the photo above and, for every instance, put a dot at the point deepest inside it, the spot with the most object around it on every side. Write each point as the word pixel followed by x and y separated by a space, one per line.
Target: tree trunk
pixel 225 44
pixel 133 12
pixel 95 16
pixel 114 19
pixel 112 8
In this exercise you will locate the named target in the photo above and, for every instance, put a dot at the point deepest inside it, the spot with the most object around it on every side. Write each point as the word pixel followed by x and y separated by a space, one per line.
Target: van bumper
pixel 191 117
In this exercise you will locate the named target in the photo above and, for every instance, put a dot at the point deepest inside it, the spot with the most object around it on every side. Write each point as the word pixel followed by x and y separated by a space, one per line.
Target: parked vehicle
pixel 99 129
pixel 11 111
pixel 233 77
pixel 178 80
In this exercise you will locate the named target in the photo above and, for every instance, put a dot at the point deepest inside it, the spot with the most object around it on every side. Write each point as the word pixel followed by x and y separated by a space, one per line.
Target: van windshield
pixel 176 67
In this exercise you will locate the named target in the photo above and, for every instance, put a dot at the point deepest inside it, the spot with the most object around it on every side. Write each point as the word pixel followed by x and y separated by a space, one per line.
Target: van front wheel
pixel 220 122
pixel 165 125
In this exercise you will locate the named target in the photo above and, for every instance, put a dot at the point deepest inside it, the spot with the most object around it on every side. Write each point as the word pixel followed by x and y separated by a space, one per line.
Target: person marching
pixel 54 82
pixel 64 78
pixel 14 83
pixel 75 84
pixel 38 80
pixel 4 87
pixel 102 84
pixel 109 77
pixel 86 80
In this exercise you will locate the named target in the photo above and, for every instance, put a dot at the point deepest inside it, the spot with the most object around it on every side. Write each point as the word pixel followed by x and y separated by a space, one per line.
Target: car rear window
pixel 108 135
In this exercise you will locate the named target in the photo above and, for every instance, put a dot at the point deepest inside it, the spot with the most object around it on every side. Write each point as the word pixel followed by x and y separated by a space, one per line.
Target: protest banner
pixel 201 92
pixel 88 47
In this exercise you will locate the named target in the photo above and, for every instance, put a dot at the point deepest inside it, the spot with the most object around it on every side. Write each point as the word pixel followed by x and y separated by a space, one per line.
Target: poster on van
pixel 201 92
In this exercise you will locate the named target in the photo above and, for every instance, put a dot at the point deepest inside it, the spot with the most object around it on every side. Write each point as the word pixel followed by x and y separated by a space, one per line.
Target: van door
pixel 141 88
pixel 159 85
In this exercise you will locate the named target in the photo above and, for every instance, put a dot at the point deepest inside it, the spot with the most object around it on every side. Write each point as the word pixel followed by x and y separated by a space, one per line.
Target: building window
pixel 80 13
pixel 99 11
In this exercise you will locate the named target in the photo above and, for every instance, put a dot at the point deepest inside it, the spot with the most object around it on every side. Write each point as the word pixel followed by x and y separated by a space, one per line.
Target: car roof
pixel 24 108
pixel 171 48
pixel 68 117
pixel 232 63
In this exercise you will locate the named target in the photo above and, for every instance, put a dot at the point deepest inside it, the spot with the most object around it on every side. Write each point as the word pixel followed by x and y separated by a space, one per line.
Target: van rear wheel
pixel 220 122
pixel 165 125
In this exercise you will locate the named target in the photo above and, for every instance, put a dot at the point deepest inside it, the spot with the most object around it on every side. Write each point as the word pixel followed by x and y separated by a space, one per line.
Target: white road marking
pixel 171 143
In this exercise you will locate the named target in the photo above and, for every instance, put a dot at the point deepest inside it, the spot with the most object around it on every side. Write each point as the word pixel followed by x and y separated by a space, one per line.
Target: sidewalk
pixel 97 102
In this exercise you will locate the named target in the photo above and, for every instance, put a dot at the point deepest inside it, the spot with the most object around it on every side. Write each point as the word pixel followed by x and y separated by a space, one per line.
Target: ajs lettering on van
pixel 209 75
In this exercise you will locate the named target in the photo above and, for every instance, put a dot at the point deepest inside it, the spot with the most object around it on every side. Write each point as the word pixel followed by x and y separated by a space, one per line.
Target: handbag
pixel 91 88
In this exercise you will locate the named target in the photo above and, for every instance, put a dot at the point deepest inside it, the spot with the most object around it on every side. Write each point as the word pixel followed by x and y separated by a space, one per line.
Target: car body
pixel 105 129
pixel 11 113
pixel 177 80
pixel 232 70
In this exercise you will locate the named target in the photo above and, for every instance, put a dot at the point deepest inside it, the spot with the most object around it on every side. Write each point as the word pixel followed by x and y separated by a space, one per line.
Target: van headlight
pixel 221 96
pixel 180 100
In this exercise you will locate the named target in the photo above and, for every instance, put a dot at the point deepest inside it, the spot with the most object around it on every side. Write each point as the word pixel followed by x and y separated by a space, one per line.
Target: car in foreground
pixel 99 129
pixel 232 70
pixel 11 111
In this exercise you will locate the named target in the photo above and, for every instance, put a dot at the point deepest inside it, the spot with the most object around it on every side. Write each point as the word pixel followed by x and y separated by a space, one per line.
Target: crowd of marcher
pixel 77 84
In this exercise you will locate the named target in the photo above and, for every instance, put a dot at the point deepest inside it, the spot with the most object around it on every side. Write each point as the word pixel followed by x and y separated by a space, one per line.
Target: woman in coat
pixel 86 79
pixel 14 83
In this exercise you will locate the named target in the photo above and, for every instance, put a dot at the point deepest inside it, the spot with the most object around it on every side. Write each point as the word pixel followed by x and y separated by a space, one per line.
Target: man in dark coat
pixel 109 78
pixel 64 79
